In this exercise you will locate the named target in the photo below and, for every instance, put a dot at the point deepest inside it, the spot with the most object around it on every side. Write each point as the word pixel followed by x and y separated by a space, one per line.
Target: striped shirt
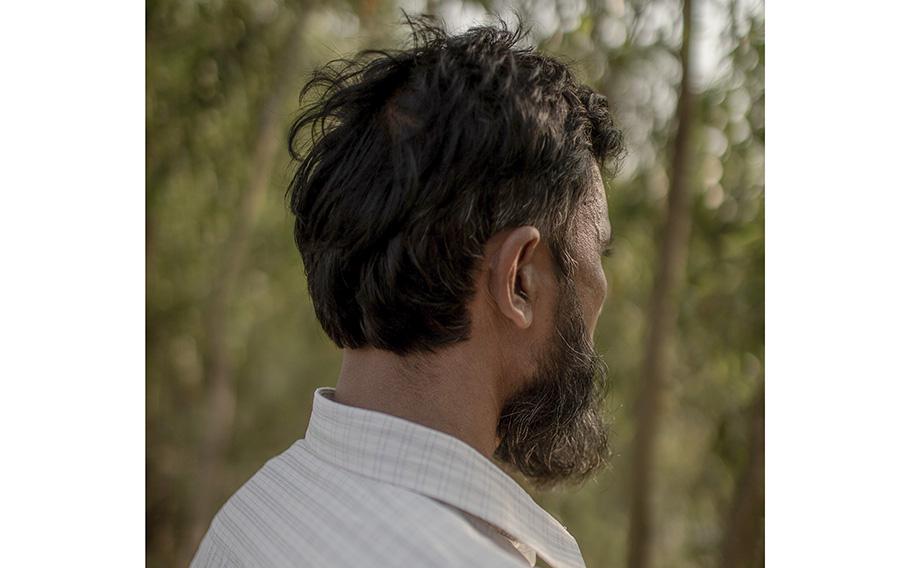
pixel 369 489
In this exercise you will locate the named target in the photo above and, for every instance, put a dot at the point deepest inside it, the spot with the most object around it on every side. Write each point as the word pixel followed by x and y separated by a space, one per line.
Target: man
pixel 451 217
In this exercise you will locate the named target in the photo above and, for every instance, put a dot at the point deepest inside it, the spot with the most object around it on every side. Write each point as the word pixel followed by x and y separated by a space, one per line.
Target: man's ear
pixel 514 278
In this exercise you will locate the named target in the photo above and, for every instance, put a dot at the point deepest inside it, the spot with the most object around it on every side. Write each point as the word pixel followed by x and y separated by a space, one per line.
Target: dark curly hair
pixel 410 160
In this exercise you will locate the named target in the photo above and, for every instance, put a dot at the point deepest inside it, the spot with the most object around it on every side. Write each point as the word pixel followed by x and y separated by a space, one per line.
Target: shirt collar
pixel 426 461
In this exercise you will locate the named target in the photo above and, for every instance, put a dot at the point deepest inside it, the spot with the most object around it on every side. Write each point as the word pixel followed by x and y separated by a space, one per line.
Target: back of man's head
pixel 411 160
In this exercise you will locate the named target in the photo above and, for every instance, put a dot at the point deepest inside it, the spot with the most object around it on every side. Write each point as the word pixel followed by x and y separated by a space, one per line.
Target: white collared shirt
pixel 369 489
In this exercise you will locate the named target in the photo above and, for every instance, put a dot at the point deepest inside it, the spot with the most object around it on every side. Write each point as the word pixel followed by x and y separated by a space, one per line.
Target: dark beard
pixel 553 431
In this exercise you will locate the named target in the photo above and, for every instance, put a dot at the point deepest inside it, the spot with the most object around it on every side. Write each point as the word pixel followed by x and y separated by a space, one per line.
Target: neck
pixel 451 391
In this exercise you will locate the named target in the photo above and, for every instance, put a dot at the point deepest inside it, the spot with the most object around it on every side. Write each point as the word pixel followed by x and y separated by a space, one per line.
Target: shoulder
pixel 299 511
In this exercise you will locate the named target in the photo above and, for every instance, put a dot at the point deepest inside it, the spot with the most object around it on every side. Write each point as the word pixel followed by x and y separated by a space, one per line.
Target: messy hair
pixel 410 160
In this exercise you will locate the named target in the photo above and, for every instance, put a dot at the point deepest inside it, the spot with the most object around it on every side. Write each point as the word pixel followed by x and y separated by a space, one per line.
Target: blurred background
pixel 234 351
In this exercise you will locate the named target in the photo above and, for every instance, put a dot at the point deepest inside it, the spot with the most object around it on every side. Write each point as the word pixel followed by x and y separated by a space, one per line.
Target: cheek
pixel 602 286
pixel 593 299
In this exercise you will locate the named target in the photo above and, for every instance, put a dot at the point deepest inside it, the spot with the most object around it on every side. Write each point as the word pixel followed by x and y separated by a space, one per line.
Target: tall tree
pixel 663 314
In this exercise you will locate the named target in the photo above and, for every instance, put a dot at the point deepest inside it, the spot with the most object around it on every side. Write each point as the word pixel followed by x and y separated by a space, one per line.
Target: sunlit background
pixel 234 351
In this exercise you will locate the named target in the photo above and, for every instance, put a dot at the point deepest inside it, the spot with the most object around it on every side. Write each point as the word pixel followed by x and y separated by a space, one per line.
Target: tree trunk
pixel 220 392
pixel 664 310
pixel 744 542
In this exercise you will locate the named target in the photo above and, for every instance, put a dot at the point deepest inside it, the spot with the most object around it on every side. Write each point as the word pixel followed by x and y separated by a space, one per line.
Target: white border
pixel 72 288
pixel 837 284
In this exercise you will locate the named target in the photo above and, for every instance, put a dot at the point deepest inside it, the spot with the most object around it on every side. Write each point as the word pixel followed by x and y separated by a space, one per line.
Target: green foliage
pixel 211 67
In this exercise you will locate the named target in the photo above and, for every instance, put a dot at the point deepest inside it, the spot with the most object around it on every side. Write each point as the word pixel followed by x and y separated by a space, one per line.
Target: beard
pixel 553 431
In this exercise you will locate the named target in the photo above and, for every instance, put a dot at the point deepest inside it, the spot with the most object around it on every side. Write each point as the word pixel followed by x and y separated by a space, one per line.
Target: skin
pixel 461 390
